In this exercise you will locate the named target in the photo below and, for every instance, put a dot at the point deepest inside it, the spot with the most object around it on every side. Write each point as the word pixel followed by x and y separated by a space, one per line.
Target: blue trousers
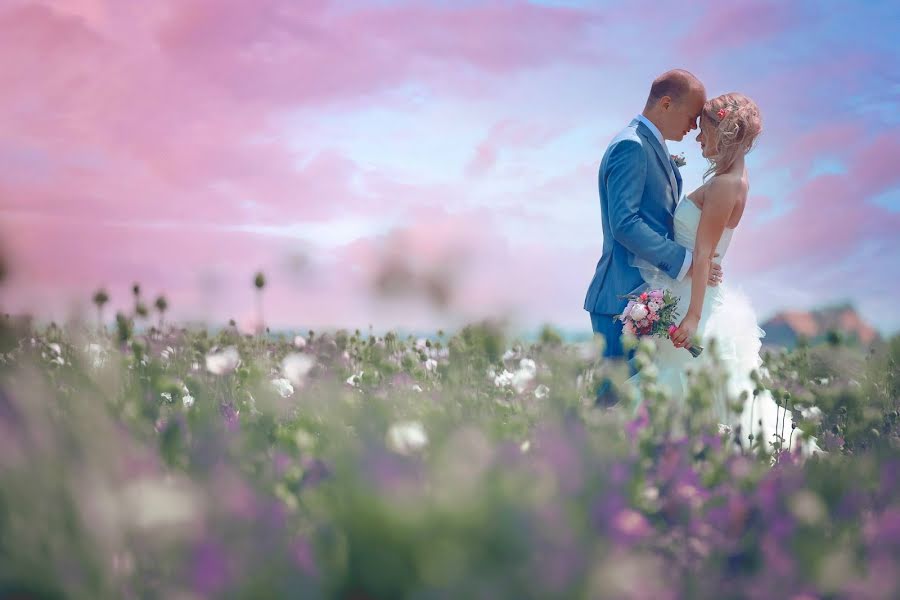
pixel 611 330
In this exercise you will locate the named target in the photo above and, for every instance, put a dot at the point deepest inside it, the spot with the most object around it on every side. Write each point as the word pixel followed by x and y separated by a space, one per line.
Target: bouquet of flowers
pixel 652 312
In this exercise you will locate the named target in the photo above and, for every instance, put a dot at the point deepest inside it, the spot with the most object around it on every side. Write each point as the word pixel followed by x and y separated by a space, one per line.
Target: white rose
pixel 638 312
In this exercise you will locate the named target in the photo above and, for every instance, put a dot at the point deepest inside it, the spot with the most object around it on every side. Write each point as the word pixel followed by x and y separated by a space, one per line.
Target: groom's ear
pixel 665 102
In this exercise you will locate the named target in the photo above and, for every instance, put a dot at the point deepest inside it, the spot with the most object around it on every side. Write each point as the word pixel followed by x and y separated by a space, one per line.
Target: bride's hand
pixel 681 337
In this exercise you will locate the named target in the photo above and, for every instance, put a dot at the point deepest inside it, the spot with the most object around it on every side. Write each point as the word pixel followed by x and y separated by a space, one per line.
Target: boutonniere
pixel 679 160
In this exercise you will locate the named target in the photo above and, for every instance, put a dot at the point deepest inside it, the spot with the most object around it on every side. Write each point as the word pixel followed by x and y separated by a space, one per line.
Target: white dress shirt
pixel 689 255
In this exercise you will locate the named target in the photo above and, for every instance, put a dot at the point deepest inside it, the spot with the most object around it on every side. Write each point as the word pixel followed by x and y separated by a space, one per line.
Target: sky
pixel 422 164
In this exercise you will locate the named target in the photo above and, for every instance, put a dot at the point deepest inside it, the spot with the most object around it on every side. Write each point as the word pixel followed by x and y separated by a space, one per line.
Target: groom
pixel 639 188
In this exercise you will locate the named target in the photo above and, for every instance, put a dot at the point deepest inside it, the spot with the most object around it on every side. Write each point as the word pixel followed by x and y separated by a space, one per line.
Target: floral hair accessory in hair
pixel 723 112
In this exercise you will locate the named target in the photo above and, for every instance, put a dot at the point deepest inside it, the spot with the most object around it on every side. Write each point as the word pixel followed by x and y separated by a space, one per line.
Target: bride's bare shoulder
pixel 727 184
pixel 726 189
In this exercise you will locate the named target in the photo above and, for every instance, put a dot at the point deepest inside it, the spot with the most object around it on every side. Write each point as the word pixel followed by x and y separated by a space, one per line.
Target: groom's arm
pixel 626 175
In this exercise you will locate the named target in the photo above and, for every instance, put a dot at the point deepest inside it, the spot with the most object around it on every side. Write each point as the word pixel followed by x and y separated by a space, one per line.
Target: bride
pixel 720 318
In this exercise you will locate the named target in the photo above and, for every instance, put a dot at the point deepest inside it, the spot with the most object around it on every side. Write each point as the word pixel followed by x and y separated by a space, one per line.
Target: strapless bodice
pixel 687 221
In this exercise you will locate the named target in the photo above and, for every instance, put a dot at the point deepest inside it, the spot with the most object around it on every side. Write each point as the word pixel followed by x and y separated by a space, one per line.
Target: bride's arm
pixel 718 204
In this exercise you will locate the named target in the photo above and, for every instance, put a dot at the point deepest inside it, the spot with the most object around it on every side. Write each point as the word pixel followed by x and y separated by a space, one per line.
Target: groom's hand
pixel 715 274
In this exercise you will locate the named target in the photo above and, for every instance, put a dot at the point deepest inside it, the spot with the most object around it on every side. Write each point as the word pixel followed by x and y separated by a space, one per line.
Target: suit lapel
pixel 664 160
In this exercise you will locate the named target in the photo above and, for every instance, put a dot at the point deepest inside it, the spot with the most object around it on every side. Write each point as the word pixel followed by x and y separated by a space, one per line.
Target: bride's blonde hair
pixel 738 123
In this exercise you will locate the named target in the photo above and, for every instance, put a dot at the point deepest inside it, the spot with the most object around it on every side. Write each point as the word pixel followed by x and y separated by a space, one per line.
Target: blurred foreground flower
pixel 283 387
pixel 407 437
pixel 224 362
pixel 296 366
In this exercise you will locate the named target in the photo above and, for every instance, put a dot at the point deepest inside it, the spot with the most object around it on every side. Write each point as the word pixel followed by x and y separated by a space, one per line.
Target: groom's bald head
pixel 675 101
pixel 677 84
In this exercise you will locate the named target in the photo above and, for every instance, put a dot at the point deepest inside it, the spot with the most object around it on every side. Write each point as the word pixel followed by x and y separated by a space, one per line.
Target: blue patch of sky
pixel 889 200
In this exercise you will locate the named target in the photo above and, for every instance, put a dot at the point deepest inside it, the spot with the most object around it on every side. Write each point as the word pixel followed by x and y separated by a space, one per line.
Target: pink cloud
pixel 181 108
pixel 513 136
pixel 801 150
pixel 830 215
pixel 727 25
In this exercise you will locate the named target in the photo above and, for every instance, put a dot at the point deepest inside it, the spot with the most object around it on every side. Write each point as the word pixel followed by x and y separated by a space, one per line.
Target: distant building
pixel 786 328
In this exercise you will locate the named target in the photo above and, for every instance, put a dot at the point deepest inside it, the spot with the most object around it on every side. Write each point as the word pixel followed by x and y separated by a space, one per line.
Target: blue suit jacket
pixel 637 200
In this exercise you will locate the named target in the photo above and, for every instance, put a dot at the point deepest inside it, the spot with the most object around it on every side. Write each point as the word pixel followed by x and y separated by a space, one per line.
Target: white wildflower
pixel 650 371
pixel 525 446
pixel 154 503
pixel 195 366
pixel 96 354
pixel 283 387
pixel 224 362
pixel 407 437
pixel 55 347
pixel 524 375
pixel 527 365
pixel 503 379
pixel 187 400
pixel 813 413
pixel 167 396
pixel 421 344
pixel 650 494
pixel 807 507
pixel 416 387
pixel 296 367
pixel 299 342
pixel 431 364
pixel 167 353
pixel 509 355
pixel 541 391
pixel 521 379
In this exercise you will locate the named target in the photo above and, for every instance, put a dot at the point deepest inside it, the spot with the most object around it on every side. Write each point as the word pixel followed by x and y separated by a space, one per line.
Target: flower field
pixel 181 464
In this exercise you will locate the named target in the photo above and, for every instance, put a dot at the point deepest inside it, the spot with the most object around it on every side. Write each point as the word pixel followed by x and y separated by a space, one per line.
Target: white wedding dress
pixel 729 327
